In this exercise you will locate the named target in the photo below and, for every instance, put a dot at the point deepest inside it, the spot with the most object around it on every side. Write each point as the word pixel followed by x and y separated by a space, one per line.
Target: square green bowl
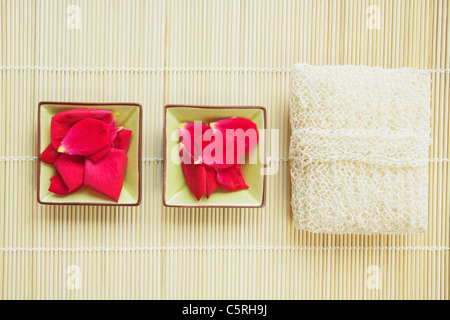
pixel 176 192
pixel 129 116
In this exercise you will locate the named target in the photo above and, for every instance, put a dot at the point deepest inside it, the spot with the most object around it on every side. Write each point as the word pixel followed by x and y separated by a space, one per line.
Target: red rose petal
pixel 63 121
pixel 71 169
pixel 231 179
pixel 50 154
pixel 122 140
pixel 244 130
pixel 195 174
pixel 191 135
pixel 57 185
pixel 211 180
pixel 113 131
pixel 224 151
pixel 106 175
pixel 86 137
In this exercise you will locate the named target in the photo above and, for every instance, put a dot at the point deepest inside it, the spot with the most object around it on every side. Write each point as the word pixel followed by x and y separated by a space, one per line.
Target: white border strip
pixel 156 69
pixel 213 248
pixel 29 158
pixel 162 69
pixel 18 158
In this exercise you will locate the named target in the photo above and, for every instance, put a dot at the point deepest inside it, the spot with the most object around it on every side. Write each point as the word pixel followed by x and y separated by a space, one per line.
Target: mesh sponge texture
pixel 359 149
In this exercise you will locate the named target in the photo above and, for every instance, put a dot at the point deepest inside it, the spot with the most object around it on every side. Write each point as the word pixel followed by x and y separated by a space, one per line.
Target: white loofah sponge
pixel 359 149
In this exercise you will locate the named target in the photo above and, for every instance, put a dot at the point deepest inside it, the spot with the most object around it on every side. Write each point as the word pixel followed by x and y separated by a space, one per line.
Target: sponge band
pixel 359 149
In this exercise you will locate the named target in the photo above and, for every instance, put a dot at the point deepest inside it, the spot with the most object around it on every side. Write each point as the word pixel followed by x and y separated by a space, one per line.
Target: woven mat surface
pixel 206 52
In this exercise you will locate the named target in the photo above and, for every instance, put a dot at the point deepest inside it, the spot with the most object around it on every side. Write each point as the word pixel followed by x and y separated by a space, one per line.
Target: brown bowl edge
pixel 90 203
pixel 263 201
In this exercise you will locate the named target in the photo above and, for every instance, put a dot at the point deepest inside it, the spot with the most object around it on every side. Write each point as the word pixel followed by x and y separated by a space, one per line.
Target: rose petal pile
pixel 87 148
pixel 211 156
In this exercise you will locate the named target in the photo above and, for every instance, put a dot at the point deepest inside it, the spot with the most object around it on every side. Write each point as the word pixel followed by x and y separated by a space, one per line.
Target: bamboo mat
pixel 206 52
